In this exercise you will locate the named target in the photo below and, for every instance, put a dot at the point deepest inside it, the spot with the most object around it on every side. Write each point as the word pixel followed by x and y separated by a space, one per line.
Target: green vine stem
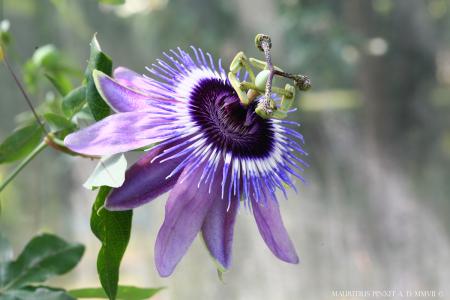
pixel 23 164
pixel 49 140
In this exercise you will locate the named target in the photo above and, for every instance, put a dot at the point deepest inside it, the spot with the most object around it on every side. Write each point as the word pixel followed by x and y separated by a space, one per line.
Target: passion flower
pixel 212 153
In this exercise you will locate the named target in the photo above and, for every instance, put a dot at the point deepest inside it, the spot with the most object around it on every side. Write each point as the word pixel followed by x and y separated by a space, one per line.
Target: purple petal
pixel 130 79
pixel 114 134
pixel 217 230
pixel 272 230
pixel 138 82
pixel 121 98
pixel 144 181
pixel 186 210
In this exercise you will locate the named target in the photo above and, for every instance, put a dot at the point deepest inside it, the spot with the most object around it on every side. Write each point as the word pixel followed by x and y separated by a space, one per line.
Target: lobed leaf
pixel 43 257
pixel 20 143
pixel 113 229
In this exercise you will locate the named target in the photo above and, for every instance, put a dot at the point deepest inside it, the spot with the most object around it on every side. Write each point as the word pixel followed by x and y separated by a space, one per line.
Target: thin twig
pixel 24 93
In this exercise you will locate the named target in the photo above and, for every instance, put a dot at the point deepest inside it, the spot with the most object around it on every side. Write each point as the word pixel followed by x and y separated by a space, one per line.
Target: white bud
pixel 261 79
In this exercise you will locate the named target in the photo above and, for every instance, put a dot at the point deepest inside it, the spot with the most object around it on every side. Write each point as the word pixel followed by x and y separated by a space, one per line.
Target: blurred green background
pixel 375 214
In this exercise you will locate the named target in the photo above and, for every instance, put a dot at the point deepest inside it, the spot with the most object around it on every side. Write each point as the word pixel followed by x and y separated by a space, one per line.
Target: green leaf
pixel 60 82
pixel 124 292
pixel 97 61
pixel 43 257
pixel 58 123
pixel 112 2
pixel 73 102
pixel 112 228
pixel 110 171
pixel 36 293
pixel 20 143
pixel 47 57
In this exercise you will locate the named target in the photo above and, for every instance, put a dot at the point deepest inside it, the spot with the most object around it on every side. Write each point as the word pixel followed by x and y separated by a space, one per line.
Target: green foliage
pixel 47 57
pixel 74 101
pixel 58 123
pixel 97 61
pixel 124 292
pixel 20 143
pixel 22 165
pixel 61 84
pixel 45 256
pixel 48 60
pixel 112 228
pixel 34 293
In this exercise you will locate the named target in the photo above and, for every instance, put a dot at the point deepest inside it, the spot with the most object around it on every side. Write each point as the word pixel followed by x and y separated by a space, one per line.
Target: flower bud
pixel 261 79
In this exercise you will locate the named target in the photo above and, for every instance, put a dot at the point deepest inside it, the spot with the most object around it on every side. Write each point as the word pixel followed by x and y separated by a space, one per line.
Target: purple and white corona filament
pixel 212 153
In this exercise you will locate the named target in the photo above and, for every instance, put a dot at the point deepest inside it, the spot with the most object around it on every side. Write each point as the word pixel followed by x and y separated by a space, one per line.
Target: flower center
pixel 216 108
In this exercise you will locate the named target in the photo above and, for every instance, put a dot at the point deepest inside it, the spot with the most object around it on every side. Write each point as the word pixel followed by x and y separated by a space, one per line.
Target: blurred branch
pixel 24 93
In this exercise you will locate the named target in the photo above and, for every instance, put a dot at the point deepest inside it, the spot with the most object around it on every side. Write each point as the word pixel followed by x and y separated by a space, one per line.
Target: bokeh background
pixel 375 213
